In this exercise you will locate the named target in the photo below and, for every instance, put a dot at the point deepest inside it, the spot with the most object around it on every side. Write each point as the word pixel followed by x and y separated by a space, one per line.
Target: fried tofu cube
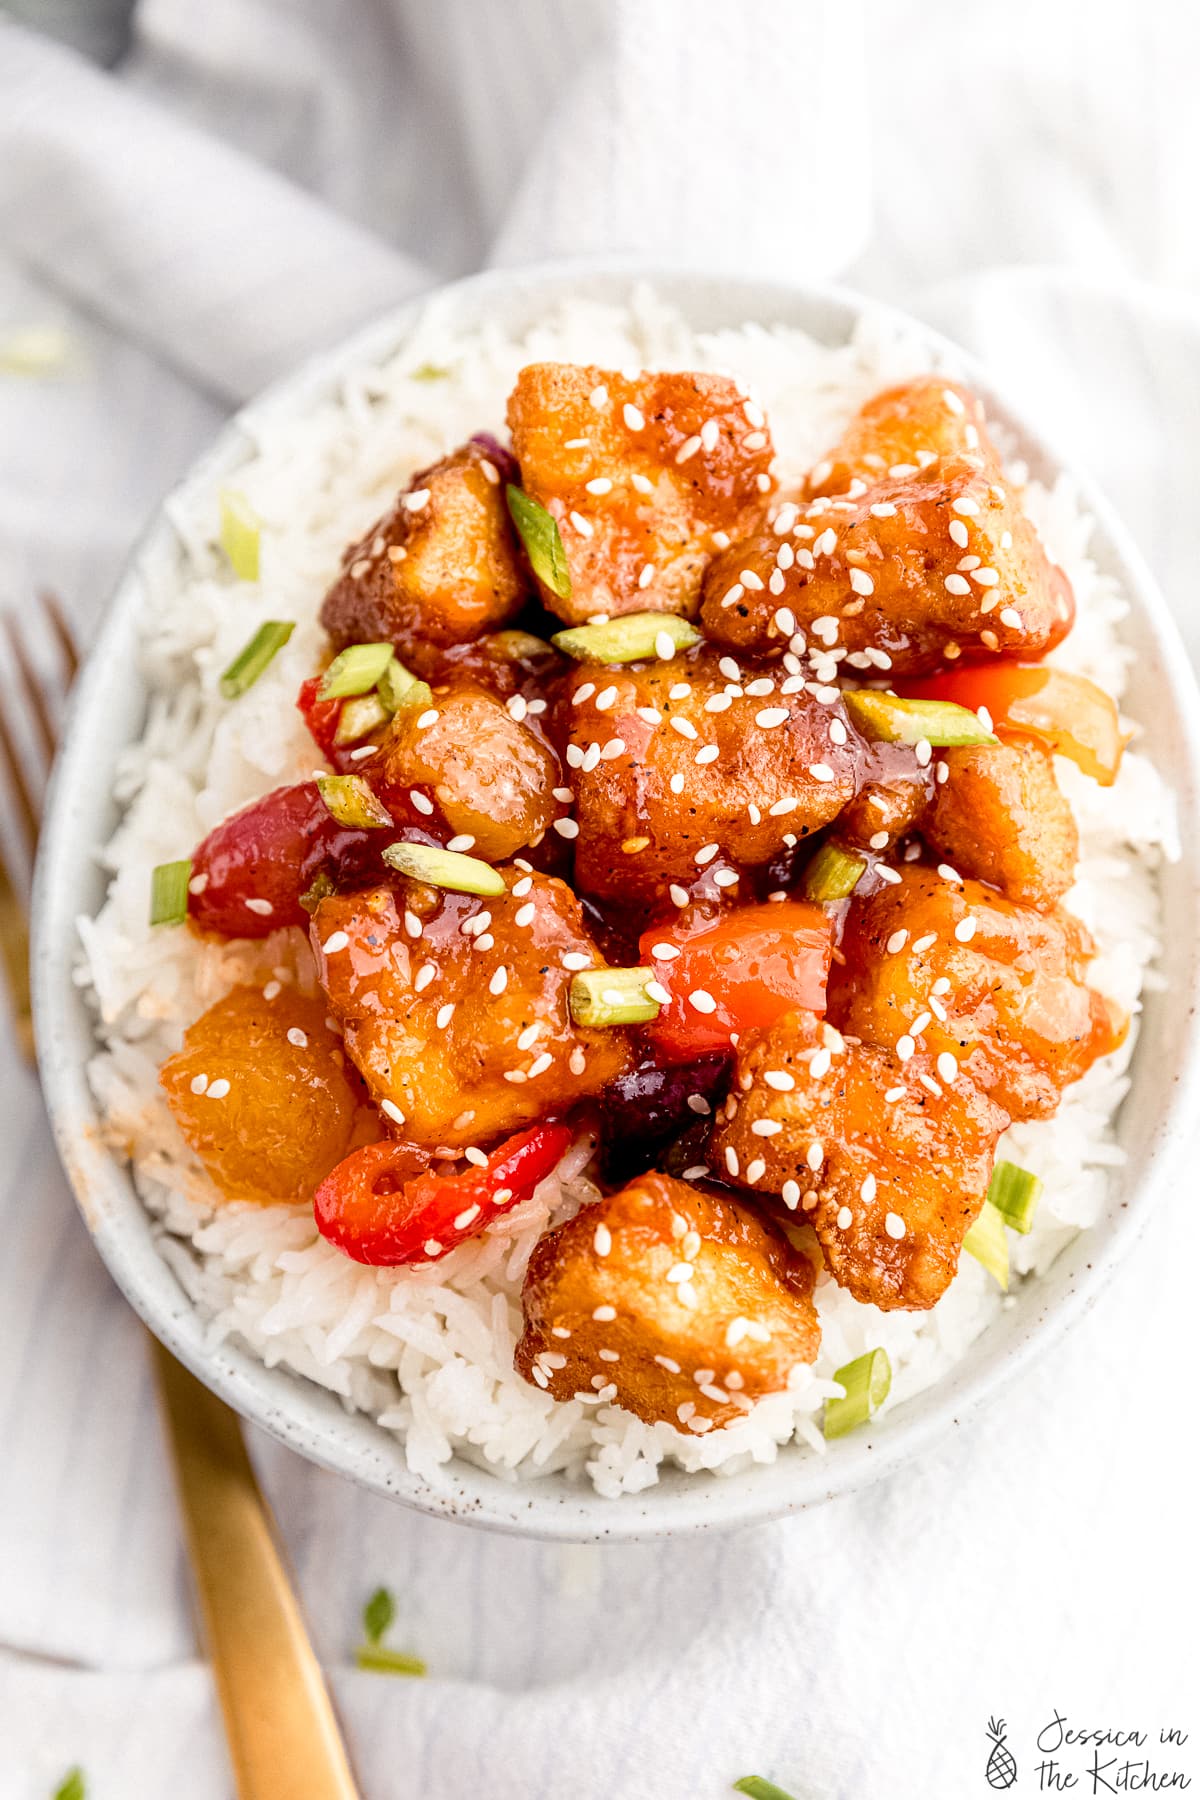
pixel 920 556
pixel 668 759
pixel 888 1161
pixel 978 983
pixel 441 568
pixel 639 474
pixel 1001 817
pixel 261 1092
pixel 455 1008
pixel 681 1305
pixel 490 777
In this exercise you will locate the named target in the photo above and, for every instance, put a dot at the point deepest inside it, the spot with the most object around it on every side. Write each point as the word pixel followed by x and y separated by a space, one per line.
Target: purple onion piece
pixel 645 1111
pixel 504 459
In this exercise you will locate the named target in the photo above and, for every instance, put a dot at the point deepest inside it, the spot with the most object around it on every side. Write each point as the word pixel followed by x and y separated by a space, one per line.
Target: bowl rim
pixel 296 1410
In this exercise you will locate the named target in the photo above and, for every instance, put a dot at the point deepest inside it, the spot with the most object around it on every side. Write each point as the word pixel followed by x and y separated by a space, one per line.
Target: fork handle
pixel 279 1719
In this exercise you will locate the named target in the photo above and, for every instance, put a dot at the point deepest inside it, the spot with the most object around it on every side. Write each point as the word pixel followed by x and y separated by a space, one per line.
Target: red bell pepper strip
pixel 321 716
pixel 753 964
pixel 376 1210
pixel 1066 713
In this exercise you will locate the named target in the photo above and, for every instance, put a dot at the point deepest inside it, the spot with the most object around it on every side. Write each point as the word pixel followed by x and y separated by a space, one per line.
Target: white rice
pixel 428 1352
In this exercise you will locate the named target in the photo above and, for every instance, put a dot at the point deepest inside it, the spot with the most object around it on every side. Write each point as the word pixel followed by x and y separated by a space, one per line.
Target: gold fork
pixel 283 1735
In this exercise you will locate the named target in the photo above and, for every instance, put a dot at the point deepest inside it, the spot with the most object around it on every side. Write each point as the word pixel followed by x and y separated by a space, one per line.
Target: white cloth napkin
pixel 258 177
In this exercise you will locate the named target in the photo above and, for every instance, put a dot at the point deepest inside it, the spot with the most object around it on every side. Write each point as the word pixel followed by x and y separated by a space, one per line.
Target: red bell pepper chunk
pixel 1066 713
pixel 376 1210
pixel 755 963
pixel 321 716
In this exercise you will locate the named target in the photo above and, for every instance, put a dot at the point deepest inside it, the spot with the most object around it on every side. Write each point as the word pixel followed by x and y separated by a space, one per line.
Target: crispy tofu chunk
pixel 952 969
pixel 1001 817
pixel 888 1161
pixel 455 1007
pixel 906 550
pixel 639 474
pixel 682 1306
pixel 490 777
pixel 667 759
pixel 441 568
pixel 890 802
pixel 261 1092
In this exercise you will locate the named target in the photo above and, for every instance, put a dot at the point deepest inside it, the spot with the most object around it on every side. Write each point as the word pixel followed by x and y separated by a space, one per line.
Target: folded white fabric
pixel 259 177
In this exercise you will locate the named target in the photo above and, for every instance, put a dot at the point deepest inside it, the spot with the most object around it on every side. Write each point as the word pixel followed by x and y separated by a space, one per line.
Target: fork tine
pixel 14 959
pixel 33 690
pixel 27 812
pixel 52 607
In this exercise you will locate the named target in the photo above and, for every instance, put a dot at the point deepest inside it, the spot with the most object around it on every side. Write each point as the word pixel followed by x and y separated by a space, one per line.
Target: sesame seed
pixel 600 484
pixel 669 1364
pixel 696 1102
pixel 819 1064
pixel 576 959
pixel 878 840
pixel 655 990
pixel 445 1014
pixel 427 719
pixel 706 854
pixel 947 1068
pixel 710 431
pixel 754 440
pixel 539 1065
pixel 883 509
pixel 680 1271
pixel 789 1193
pixel 467 1218
pixel 199 1083
pixel 897 942
pixel 298 1038
pixel 731 1160
pixel 392 1111
pixel 679 895
pixel 1011 617
pixel 566 828
pixel 780 1080
pixel 766 1127
pixel 642 485
pixel 709 754
pixel 602 1240
pixel 905 1048
pixel 941 985
pixel 755 1170
pixel 687 449
pixel 923 751
pixel 685 728
pixel 948 873
pixel 816 1156
pixel 770 716
pixel 919 1024
pixel 599 397
pixel 921 944
pixel 583 526
pixel 604 1315
pixel 262 907
pixel 845 1218
pixel 633 418
pixel 337 940
pixel 861 582
pixel 417 501
pixel 894 1225
pixel 894 1094
pixel 577 1061
pixel 964 931
pixel 432 1247
pixel 725 878
pixel 702 1001
pixel 966 505
pixel 891 876
pixel 821 772
pixel 957 584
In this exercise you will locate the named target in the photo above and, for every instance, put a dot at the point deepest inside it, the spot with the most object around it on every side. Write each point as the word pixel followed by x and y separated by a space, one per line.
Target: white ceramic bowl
pixel 107 713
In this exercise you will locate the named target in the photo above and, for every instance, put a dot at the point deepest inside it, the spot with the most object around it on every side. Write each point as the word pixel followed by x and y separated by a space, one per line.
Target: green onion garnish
pixel 240 534
pixel 398 687
pixel 72 1786
pixel 250 662
pixel 538 531
pixel 759 1788
pixel 34 350
pixel 378 1614
pixel 428 371
pixel 351 802
pixel 894 721
pixel 833 874
pixel 867 1381
pixel 632 638
pixel 359 717
pixel 612 997
pixel 987 1242
pixel 388 1662
pixel 169 892
pixel 444 869
pixel 1015 1194
pixel 354 671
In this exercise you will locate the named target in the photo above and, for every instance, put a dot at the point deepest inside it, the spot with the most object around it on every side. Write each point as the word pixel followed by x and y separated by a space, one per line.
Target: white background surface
pixel 261 175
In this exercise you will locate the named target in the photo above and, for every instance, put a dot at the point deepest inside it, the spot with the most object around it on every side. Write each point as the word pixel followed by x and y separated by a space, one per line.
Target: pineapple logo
pixel 1002 1764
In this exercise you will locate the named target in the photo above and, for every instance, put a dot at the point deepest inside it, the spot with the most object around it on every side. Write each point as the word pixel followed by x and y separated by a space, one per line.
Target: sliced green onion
pixel 759 1788
pixel 895 721
pixel 632 638
pixel 378 1615
pixel 428 371
pixel 169 892
pixel 72 1786
pixel 833 874
pixel 1015 1194
pixel 312 896
pixel 351 802
pixel 398 687
pixel 355 671
pixel 612 997
pixel 987 1242
pixel 388 1662
pixel 444 869
pixel 240 534
pixel 867 1381
pixel 359 717
pixel 250 662
pixel 538 531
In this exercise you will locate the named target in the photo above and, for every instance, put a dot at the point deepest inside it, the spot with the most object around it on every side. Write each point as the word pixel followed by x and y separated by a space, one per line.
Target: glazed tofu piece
pixel 455 1007
pixel 441 568
pixel 680 1305
pixel 261 1092
pixel 901 432
pixel 889 1162
pixel 669 759
pixel 646 477
pixel 890 803
pixel 906 551
pixel 1001 817
pixel 946 967
pixel 489 777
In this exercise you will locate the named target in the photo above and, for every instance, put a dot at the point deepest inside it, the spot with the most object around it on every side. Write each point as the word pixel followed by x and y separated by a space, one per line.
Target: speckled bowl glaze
pixel 107 713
